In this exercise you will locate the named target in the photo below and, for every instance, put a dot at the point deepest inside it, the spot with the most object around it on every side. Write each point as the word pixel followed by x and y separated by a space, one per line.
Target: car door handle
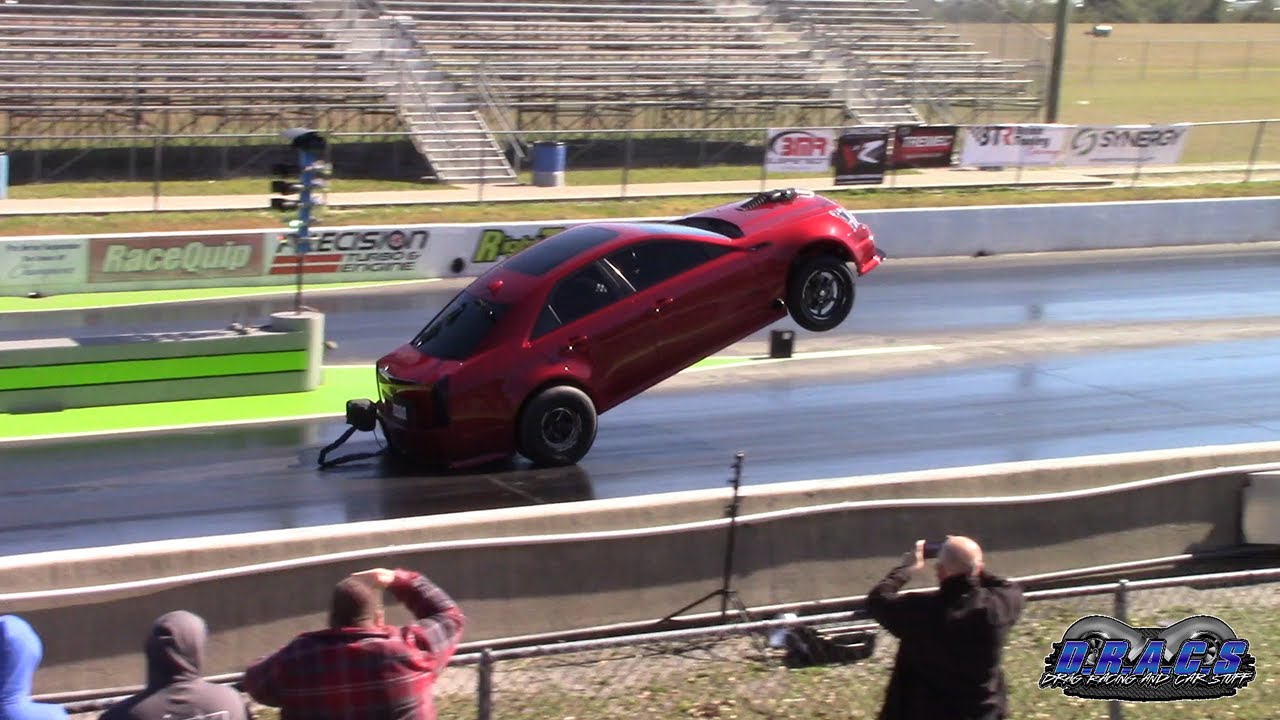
pixel 661 303
pixel 576 343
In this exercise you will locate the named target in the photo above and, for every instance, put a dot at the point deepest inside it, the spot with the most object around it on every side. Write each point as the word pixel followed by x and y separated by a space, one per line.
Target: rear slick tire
pixel 557 427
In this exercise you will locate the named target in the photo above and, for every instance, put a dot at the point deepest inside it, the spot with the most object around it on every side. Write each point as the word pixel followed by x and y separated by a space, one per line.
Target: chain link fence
pixel 611 162
pixel 752 669
pixel 734 671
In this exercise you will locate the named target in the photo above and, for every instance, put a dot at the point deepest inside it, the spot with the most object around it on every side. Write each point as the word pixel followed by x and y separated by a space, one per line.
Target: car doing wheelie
pixel 526 358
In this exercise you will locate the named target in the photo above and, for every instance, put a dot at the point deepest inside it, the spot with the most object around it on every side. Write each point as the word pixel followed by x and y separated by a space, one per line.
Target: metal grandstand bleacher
pixel 459 75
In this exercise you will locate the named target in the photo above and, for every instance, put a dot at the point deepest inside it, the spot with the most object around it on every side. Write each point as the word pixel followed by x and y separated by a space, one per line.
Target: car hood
pixel 754 219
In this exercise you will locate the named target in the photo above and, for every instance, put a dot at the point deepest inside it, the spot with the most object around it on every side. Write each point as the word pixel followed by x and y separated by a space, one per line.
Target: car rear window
pixel 456 332
pixel 545 255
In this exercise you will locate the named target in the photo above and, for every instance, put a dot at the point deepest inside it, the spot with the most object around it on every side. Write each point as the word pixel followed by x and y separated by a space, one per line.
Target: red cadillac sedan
pixel 526 358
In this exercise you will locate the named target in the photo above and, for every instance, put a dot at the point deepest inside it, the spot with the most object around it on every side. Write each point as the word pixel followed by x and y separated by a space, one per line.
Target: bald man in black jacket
pixel 950 641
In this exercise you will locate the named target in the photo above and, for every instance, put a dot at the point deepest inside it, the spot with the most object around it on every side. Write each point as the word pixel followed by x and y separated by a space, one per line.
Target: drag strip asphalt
pixel 1004 406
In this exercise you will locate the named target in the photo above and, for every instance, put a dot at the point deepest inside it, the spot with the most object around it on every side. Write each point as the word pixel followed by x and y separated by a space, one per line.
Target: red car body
pixel 610 309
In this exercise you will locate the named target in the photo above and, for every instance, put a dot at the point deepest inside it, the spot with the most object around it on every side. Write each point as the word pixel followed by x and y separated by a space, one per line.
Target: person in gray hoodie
pixel 175 690
pixel 20 655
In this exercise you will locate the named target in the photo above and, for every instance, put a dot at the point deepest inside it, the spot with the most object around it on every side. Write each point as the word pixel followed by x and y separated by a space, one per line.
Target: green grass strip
pixel 151 369
pixel 339 384
pixel 91 301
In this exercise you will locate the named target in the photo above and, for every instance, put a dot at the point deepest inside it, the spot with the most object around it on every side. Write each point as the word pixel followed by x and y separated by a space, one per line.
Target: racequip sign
pixel 495 243
pixel 799 150
pixel 380 251
pixel 1012 145
pixel 1127 145
pixel 171 258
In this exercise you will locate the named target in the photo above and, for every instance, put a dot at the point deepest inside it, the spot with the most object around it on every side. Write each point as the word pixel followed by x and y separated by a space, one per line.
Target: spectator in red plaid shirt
pixel 359 667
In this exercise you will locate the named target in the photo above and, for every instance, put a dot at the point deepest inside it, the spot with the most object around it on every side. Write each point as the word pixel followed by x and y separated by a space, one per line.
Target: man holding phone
pixel 950 641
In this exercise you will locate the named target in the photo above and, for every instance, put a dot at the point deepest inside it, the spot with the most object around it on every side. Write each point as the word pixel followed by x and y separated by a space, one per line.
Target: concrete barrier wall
pixel 529 584
pixel 1056 228
pixel 82 263
pixel 56 373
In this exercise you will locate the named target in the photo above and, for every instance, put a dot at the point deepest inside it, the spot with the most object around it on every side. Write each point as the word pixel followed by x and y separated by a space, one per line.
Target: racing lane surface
pixel 78 494
pixel 1169 284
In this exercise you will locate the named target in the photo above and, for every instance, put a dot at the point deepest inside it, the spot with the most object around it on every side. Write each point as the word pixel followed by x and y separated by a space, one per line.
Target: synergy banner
pixel 1013 145
pixel 790 150
pixel 1126 144
pixel 923 146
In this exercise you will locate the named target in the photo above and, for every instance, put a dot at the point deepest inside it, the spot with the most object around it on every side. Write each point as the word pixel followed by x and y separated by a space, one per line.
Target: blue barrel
pixel 4 176
pixel 548 164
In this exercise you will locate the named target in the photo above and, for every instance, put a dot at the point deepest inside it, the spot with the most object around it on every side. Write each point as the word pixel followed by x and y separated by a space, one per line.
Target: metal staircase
pixel 444 122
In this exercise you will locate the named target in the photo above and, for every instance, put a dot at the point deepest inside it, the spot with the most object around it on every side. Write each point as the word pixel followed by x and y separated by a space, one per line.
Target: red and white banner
pixel 790 150
pixel 923 146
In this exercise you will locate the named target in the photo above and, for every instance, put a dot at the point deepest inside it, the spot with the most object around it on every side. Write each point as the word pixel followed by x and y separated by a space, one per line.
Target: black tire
pixel 557 427
pixel 820 293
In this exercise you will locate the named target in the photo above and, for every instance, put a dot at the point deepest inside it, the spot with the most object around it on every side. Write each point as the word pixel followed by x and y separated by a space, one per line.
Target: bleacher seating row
pixel 557 57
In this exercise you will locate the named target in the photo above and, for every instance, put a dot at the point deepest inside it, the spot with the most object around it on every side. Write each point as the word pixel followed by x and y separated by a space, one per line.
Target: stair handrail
pixel 494 99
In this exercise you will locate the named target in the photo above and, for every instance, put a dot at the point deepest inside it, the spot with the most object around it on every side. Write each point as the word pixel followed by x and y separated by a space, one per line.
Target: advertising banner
pixel 355 253
pixel 27 264
pixel 861 155
pixel 1126 144
pixel 1013 145
pixel 799 150
pixel 923 146
pixel 180 257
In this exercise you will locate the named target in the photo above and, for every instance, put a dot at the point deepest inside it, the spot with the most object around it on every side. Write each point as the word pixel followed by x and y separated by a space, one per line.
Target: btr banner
pixel 1013 145
pixel 861 155
pixel 1127 144
pixel 927 146
pixel 799 150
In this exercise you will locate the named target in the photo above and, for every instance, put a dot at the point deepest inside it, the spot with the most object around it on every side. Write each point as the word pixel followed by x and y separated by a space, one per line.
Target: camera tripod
pixel 728 596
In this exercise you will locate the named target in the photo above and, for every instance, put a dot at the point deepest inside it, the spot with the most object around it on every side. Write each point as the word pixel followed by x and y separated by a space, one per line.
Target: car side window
pixel 646 264
pixel 577 296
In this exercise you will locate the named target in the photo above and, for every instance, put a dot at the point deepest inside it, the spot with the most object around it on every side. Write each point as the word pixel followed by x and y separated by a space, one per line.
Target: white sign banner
pixel 1012 145
pixel 1127 144
pixel 28 264
pixel 788 150
pixel 354 253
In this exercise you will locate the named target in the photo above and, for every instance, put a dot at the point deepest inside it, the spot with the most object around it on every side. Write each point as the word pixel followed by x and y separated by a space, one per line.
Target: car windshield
pixel 545 255
pixel 456 332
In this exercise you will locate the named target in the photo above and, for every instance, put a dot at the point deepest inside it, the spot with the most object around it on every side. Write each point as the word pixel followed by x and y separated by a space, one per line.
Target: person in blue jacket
pixel 20 655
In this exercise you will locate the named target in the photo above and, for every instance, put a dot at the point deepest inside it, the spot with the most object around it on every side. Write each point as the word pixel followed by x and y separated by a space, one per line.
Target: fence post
pixel 156 159
pixel 627 150
pixel 1257 148
pixel 484 687
pixel 1121 613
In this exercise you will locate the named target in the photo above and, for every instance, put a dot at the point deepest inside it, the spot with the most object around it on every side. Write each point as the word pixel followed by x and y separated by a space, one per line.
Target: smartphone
pixel 931 548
